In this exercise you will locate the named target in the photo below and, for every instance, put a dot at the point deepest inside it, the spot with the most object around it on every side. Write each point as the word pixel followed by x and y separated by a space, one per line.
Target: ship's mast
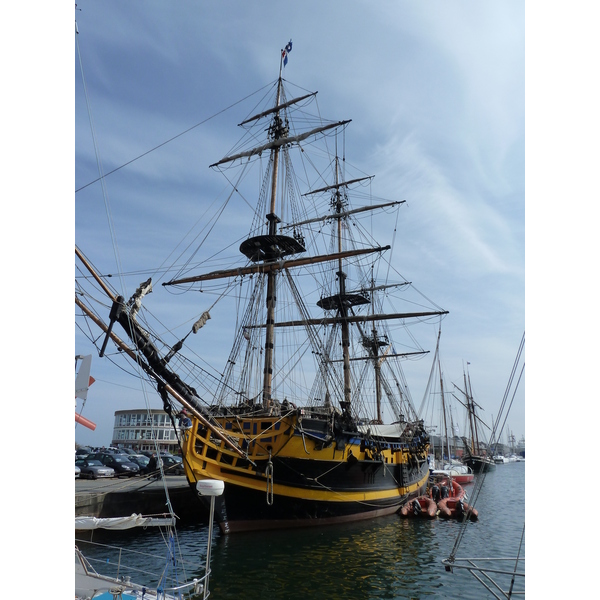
pixel 444 413
pixel 271 252
pixel 471 413
pixel 276 131
pixel 472 401
pixel 342 307
pixel 373 343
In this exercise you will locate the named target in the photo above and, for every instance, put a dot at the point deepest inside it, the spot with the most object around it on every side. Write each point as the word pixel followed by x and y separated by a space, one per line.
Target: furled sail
pixel 280 142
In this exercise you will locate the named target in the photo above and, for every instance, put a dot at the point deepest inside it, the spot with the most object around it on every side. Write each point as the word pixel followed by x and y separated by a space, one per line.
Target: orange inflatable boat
pixel 456 508
pixel 423 506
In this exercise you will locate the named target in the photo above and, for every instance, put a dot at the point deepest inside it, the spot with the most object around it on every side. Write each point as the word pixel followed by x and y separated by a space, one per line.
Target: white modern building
pixel 140 428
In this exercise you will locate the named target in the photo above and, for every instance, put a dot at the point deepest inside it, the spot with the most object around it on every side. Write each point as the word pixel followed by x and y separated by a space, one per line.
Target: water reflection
pixel 385 558
pixel 388 558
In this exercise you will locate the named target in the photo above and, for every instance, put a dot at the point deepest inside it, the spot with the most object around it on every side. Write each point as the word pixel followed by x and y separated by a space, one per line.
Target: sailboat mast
pixel 277 131
pixel 452 431
pixel 470 392
pixel 444 411
pixel 470 413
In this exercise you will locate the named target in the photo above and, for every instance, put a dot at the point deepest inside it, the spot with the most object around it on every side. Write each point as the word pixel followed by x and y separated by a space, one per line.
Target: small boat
pixel 460 473
pixel 91 584
pixel 423 506
pixel 456 508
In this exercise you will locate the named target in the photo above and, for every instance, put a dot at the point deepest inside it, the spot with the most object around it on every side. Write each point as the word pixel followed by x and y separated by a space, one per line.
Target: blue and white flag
pixel 286 51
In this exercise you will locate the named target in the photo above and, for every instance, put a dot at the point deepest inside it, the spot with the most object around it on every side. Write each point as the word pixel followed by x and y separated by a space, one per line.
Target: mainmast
pixel 342 301
pixel 277 130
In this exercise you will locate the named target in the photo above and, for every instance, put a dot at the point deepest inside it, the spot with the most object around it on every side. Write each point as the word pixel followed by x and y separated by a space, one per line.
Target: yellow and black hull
pixel 295 475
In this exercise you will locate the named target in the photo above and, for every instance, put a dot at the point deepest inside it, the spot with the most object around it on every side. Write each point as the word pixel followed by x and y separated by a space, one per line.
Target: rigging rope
pixel 480 481
pixel 102 177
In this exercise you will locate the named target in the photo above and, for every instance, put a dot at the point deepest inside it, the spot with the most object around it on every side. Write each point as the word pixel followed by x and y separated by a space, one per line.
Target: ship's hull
pixel 242 509
pixel 298 476
pixel 480 464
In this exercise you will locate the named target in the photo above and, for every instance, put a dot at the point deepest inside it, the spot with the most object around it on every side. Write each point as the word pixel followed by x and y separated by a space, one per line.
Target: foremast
pixel 343 304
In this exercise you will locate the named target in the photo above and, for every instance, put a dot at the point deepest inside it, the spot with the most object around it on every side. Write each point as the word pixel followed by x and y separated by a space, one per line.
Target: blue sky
pixel 436 94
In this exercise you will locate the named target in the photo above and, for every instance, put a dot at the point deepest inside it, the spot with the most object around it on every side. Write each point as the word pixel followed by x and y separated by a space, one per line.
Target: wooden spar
pixel 275 266
pixel 125 348
pixel 386 356
pixel 279 142
pixel 383 286
pixel 337 186
pixel 277 108
pixel 353 319
pixel 89 267
pixel 343 214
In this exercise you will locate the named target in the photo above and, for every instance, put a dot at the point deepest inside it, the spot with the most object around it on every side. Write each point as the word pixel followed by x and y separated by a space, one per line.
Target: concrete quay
pixel 121 497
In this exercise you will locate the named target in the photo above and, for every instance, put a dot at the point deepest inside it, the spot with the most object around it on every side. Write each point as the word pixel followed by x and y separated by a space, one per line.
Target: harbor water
pixel 387 558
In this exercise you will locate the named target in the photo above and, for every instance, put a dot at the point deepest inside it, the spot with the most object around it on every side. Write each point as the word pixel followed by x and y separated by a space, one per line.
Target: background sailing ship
pixel 477 456
pixel 294 421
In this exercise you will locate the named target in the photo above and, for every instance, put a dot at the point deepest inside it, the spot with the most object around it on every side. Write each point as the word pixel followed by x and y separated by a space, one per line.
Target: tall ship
pixel 309 419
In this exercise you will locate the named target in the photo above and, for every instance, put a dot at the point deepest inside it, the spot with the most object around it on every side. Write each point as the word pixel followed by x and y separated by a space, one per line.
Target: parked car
pixel 140 460
pixel 171 466
pixel 82 452
pixel 120 463
pixel 92 468
pixel 129 451
pixel 77 471
pixel 175 466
